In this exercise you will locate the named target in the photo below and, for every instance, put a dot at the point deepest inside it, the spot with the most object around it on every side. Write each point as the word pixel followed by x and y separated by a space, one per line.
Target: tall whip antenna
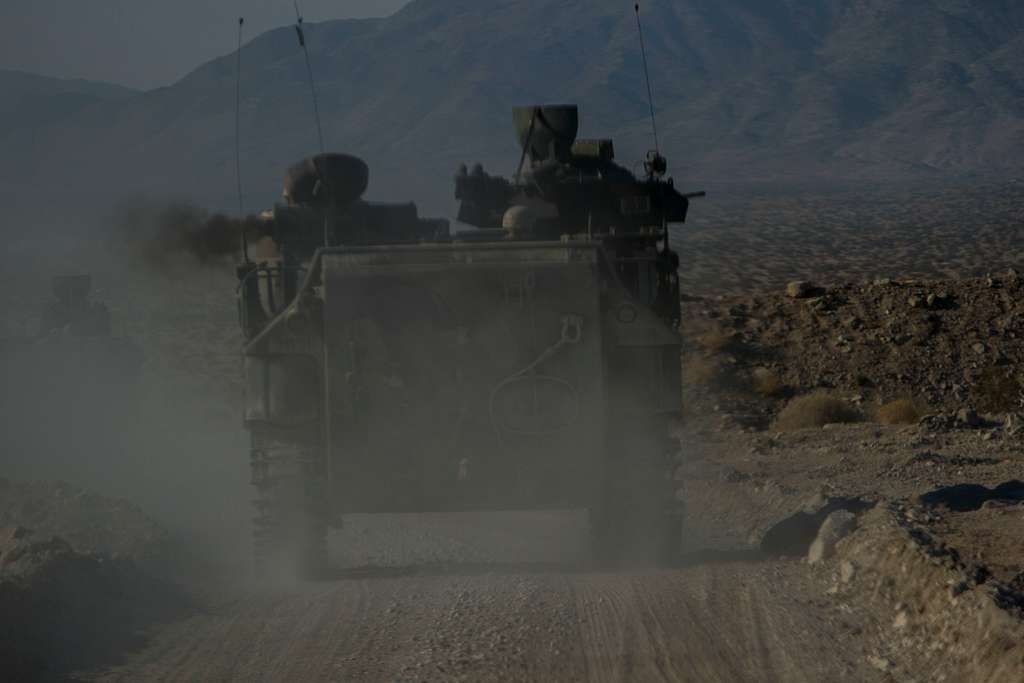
pixel 238 138
pixel 647 76
pixel 309 72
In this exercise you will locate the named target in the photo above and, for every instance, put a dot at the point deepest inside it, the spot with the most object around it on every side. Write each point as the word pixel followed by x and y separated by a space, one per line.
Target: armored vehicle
pixel 69 387
pixel 72 340
pixel 531 361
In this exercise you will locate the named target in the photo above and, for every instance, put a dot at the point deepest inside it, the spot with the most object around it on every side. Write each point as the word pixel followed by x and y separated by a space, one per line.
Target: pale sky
pixel 146 43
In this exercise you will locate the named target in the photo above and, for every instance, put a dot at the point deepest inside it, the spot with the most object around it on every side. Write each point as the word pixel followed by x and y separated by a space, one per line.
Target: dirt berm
pixel 90 523
pixel 947 619
pixel 64 606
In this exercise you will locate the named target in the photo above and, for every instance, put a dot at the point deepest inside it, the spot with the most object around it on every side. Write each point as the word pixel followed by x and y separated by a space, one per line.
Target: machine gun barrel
pixel 695 195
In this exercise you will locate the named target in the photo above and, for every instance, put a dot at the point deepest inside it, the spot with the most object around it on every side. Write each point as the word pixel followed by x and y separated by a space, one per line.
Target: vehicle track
pixel 726 621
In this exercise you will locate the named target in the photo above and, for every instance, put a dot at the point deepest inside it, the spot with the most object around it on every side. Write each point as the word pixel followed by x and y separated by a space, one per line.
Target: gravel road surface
pixel 726 619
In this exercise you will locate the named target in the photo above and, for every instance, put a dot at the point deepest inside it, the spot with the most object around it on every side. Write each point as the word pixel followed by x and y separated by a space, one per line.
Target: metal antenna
pixel 309 72
pixel 647 76
pixel 526 143
pixel 238 138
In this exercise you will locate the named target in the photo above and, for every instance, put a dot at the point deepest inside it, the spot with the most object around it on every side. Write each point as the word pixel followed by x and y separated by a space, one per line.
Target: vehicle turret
pixel 578 181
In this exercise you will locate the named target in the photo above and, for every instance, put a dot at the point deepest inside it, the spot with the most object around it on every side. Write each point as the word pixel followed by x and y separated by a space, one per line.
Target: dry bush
pixel 716 341
pixel 700 371
pixel 816 410
pixel 997 392
pixel 766 383
pixel 902 411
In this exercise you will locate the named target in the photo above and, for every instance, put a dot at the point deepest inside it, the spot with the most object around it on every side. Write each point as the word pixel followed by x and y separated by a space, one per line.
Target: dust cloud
pixel 152 414
pixel 154 417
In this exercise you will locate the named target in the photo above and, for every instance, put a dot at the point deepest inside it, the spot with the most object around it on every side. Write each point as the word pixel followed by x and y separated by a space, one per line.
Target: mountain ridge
pixel 36 98
pixel 839 91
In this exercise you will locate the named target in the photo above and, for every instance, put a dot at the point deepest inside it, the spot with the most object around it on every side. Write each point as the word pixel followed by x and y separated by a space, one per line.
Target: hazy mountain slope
pixel 793 91
pixel 31 100
pixel 32 107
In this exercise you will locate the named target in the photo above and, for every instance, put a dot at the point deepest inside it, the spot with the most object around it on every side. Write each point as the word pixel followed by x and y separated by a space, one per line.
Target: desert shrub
pixel 699 371
pixel 997 392
pixel 816 410
pixel 766 383
pixel 716 341
pixel 902 411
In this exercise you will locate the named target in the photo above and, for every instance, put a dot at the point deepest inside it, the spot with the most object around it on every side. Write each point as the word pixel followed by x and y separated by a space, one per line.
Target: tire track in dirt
pixel 721 622
pixel 261 638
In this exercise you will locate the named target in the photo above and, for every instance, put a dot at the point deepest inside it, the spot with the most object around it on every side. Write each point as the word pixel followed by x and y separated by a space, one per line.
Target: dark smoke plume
pixel 162 233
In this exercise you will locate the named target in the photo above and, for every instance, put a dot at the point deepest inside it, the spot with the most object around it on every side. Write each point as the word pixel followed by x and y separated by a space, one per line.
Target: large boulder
pixel 792 536
pixel 835 527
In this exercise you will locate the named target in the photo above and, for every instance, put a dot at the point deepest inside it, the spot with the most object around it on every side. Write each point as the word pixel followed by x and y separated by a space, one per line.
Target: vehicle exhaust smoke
pixel 162 233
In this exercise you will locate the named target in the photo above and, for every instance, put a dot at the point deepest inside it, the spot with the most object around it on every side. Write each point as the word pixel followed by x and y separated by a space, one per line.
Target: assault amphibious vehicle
pixel 70 384
pixel 531 361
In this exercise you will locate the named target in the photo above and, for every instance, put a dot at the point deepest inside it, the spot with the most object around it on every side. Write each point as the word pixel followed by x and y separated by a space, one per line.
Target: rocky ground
pixel 902 394
pixel 738 241
pixel 943 345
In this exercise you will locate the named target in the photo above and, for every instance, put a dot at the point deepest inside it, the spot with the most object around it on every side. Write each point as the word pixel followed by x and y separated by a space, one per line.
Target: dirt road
pixel 719 621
